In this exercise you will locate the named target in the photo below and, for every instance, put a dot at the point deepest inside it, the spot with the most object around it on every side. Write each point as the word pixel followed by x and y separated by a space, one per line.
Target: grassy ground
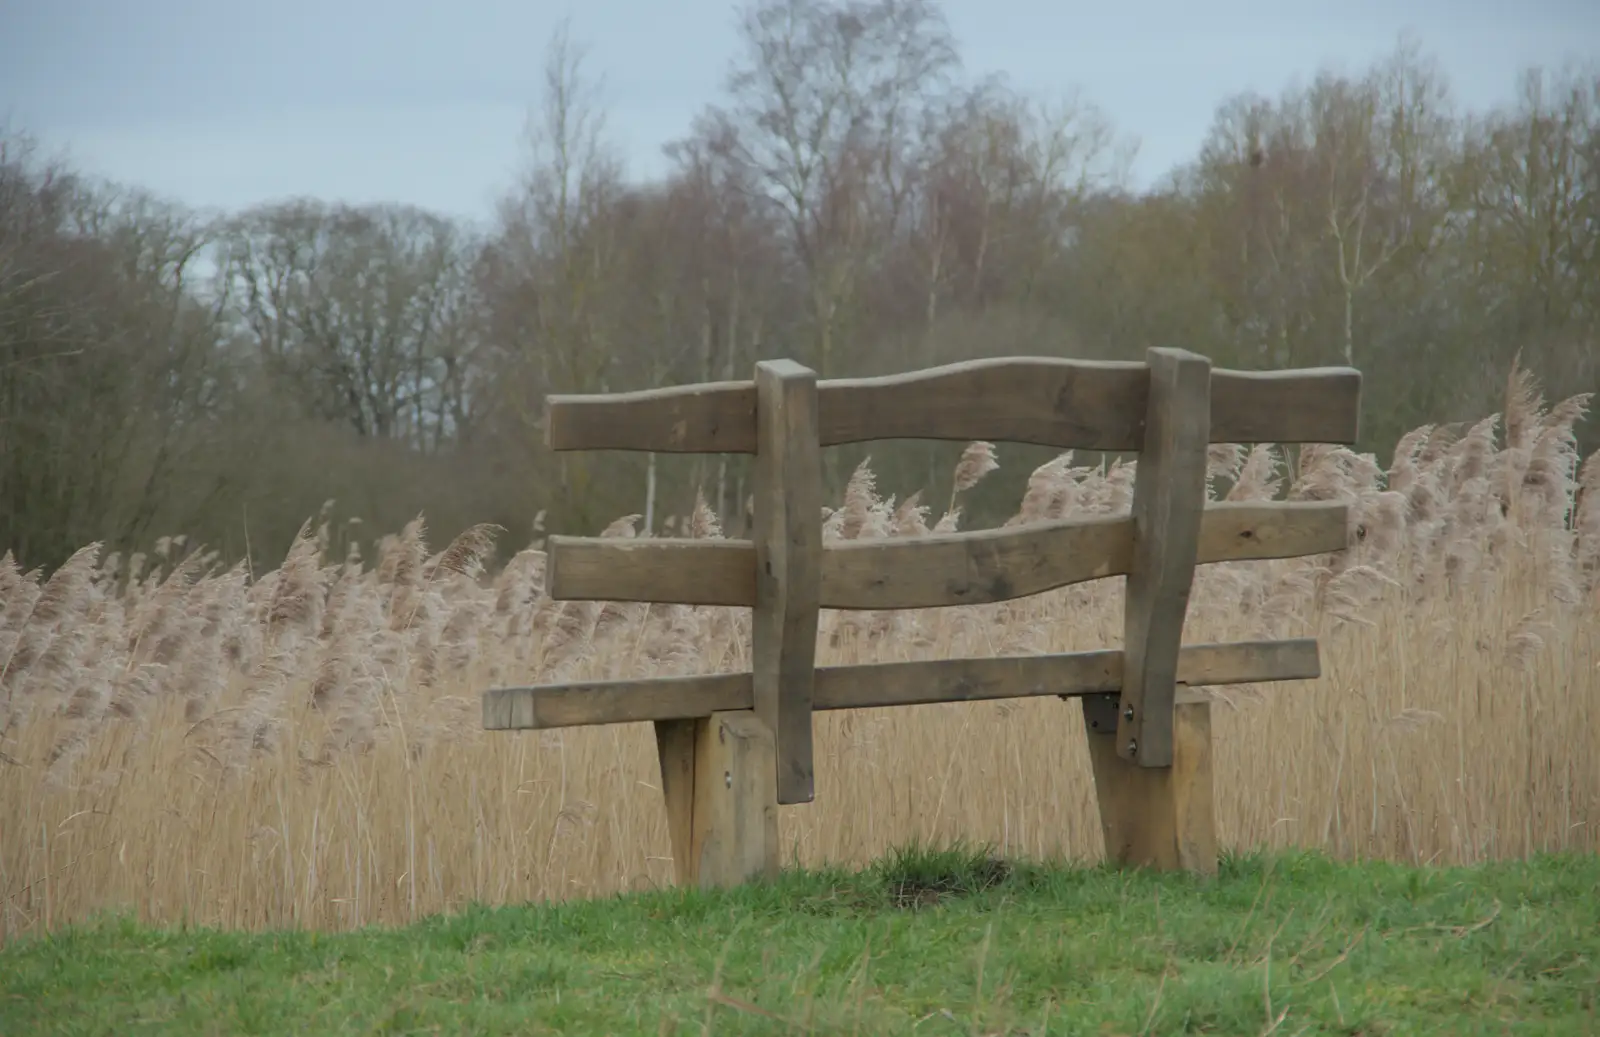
pixel 947 942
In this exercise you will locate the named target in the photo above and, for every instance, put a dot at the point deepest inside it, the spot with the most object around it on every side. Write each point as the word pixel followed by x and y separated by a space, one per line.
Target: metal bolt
pixel 1127 714
pixel 1133 746
pixel 727 779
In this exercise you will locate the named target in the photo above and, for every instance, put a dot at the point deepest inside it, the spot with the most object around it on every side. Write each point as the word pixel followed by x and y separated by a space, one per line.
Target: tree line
pixel 854 199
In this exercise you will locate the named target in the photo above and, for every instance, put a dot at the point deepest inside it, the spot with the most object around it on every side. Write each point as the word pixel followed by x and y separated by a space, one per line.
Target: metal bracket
pixel 1100 713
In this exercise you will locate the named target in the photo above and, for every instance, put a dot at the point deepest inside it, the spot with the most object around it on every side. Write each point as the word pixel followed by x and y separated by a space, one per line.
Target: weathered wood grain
pixel 973 568
pixel 1253 531
pixel 1301 405
pixel 1162 818
pixel 707 418
pixel 735 825
pixel 717 782
pixel 1072 404
pixel 582 704
pixel 662 570
pixel 935 571
pixel 1169 502
pixel 787 535
pixel 1194 809
pixel 1003 564
pixel 1066 404
pixel 889 684
pixel 676 742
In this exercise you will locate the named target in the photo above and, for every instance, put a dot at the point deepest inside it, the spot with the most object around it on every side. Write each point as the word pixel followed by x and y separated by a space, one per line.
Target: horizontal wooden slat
pixel 933 571
pixel 891 684
pixel 1253 531
pixel 995 565
pixel 976 568
pixel 1070 404
pixel 664 570
pixel 708 418
pixel 1066 404
pixel 1306 405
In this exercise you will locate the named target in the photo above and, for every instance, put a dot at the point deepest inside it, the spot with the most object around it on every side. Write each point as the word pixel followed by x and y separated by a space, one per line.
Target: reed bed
pixel 302 747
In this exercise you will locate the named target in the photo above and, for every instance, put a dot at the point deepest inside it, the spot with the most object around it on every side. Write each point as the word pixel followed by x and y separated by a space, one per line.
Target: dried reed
pixel 303 747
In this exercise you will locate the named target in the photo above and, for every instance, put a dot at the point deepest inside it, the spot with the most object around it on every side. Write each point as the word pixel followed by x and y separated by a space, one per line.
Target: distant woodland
pixel 854 199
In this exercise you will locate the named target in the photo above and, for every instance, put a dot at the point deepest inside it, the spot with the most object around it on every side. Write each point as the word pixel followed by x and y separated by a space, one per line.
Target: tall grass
pixel 303 746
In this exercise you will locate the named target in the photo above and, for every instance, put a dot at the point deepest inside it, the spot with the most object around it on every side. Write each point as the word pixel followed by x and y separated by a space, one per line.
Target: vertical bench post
pixel 723 776
pixel 1169 499
pixel 788 542
pixel 1151 753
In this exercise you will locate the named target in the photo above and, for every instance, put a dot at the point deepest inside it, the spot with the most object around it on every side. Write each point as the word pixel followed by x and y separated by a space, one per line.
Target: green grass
pixel 927 942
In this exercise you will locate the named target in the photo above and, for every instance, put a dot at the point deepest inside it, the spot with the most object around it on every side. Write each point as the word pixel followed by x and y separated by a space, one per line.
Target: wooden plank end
pixel 706 418
pixel 660 570
pixel 1304 405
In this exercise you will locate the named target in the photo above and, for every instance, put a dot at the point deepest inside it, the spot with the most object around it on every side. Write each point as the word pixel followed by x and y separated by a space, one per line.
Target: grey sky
pixel 230 104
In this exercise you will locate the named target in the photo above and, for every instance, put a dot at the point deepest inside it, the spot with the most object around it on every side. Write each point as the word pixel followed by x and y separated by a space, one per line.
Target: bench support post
pixel 718 779
pixel 1162 818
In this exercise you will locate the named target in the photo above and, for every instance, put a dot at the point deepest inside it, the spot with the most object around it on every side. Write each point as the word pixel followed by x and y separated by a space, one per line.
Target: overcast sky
pixel 229 104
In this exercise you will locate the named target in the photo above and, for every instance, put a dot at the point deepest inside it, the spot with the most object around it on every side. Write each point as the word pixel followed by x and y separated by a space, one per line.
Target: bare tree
pixel 108 380
pixel 826 104
pixel 359 312
pixel 1003 176
pixel 1382 139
